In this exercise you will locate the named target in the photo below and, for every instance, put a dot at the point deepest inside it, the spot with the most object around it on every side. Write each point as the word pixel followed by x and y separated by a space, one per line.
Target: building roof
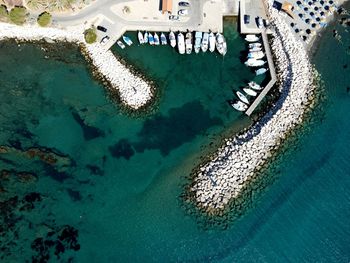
pixel 167 6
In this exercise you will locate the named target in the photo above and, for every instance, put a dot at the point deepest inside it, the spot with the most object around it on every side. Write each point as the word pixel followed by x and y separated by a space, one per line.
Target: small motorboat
pixel 150 39
pixel 145 38
pixel 251 38
pixel 172 39
pixel 256 54
pixel 205 42
pixel 140 37
pixel 221 44
pixel 242 97
pixel 254 85
pixel 261 71
pixel 211 42
pixel 156 39
pixel 197 41
pixel 239 105
pixel 181 43
pixel 163 39
pixel 252 45
pixel 255 49
pixel 188 43
pixel 250 92
pixel 127 40
pixel 252 62
pixel 120 44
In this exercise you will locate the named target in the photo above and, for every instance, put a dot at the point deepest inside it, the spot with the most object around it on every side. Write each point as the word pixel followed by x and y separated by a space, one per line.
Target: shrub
pixel 90 35
pixel 44 19
pixel 18 15
pixel 3 13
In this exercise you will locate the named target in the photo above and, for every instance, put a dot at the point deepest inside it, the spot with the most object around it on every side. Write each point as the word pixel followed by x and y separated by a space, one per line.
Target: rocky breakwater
pixel 219 182
pixel 134 91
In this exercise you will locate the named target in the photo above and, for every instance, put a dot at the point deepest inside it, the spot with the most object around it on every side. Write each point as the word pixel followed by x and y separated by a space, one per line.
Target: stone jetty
pixel 134 91
pixel 235 164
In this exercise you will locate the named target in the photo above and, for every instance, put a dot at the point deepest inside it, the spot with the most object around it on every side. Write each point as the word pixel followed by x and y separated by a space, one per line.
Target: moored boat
pixel 221 44
pixel 172 39
pixel 156 39
pixel 239 105
pixel 252 62
pixel 254 85
pixel 255 49
pixel 120 44
pixel 150 39
pixel 140 37
pixel 197 41
pixel 145 38
pixel 211 42
pixel 250 92
pixel 163 39
pixel 242 97
pixel 188 43
pixel 181 43
pixel 252 45
pixel 205 42
pixel 251 38
pixel 256 54
pixel 127 40
pixel 260 71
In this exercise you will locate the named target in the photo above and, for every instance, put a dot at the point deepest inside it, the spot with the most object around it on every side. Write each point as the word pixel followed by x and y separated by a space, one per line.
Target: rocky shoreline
pixel 134 91
pixel 220 181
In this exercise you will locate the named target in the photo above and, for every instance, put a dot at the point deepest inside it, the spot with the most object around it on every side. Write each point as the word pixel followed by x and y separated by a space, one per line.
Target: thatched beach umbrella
pixel 298 3
pixel 300 15
pixel 304 38
pixel 316 8
pixel 322 13
pixel 322 2
pixel 326 7
pixel 308 31
pixel 307 20
pixel 318 19
pixel 292 24
pixel 312 14
pixel 296 30
pixel 330 2
pixel 313 25
pixel 310 3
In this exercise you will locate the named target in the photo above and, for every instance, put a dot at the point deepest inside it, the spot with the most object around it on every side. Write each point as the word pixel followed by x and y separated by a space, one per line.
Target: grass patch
pixel 90 35
pixel 44 19
pixel 4 14
pixel 18 15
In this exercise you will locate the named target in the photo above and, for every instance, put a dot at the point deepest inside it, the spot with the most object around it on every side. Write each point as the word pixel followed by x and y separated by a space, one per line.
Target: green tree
pixel 3 13
pixel 18 15
pixel 44 19
pixel 90 35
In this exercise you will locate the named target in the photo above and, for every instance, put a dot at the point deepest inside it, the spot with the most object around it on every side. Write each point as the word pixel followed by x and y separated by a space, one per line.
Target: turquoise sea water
pixel 112 195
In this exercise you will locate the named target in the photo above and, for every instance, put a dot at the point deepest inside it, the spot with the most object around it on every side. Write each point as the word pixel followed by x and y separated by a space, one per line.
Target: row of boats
pixel 243 102
pixel 255 54
pixel 185 42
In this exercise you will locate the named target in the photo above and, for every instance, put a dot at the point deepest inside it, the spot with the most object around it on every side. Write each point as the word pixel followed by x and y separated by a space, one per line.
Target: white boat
pixel 256 55
pixel 221 44
pixel 127 40
pixel 254 85
pixel 181 43
pixel 211 42
pixel 251 38
pixel 252 62
pixel 260 71
pixel 145 38
pixel 188 43
pixel 252 45
pixel 242 97
pixel 150 39
pixel 140 37
pixel 172 39
pixel 205 42
pixel 239 105
pixel 260 22
pixel 255 49
pixel 120 44
pixel 197 41
pixel 163 39
pixel 156 39
pixel 250 92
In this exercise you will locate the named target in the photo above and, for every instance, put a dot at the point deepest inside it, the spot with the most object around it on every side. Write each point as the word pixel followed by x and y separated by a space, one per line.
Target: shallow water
pixel 117 179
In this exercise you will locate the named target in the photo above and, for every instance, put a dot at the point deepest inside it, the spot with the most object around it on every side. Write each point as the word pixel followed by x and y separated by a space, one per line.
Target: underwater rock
pixel 122 149
pixel 89 132
pixel 94 169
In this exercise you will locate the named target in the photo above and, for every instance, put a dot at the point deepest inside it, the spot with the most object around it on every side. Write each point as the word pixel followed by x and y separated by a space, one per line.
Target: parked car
pixel 101 28
pixel 246 19
pixel 183 12
pixel 185 4
pixel 174 17
pixel 104 40
pixel 259 22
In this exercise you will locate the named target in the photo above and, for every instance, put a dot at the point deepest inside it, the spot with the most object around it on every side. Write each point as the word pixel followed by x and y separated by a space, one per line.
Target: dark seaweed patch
pixel 89 132
pixel 122 149
pixel 74 195
pixel 95 170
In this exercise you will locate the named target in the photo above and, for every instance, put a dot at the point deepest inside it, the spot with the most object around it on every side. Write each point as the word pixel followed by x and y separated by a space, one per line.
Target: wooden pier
pixel 272 72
